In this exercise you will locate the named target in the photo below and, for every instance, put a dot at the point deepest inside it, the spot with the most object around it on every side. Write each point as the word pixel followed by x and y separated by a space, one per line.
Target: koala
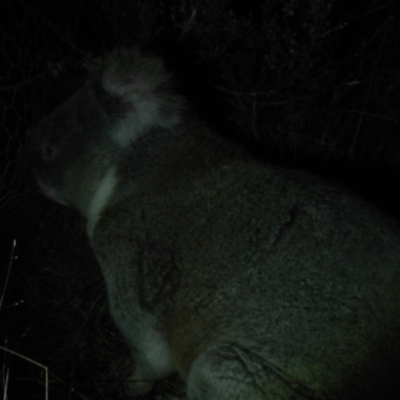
pixel 250 280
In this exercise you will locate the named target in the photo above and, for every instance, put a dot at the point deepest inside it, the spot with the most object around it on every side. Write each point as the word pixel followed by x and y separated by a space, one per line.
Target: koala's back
pixel 296 270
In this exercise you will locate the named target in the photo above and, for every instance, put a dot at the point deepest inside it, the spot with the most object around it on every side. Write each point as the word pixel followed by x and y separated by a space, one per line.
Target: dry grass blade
pixel 46 371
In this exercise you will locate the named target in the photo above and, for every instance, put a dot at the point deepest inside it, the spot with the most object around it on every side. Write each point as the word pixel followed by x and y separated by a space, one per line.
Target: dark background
pixel 309 84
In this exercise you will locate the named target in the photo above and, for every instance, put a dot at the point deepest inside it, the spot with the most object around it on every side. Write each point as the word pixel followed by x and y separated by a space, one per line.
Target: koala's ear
pixel 145 89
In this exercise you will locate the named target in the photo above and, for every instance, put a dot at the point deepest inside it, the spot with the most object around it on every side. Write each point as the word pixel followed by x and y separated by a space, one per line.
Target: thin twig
pixel 8 273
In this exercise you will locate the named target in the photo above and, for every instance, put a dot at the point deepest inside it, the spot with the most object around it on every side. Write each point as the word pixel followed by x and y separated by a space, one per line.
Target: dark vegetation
pixel 311 84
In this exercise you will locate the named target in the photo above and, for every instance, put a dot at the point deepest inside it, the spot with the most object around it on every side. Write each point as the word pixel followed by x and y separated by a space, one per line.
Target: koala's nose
pixel 46 151
pixel 42 151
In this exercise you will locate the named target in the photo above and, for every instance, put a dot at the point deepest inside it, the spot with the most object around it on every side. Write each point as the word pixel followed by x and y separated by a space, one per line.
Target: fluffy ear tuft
pixel 143 85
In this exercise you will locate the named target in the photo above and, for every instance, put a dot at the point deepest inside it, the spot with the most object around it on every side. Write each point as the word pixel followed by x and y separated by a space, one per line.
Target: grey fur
pixel 251 281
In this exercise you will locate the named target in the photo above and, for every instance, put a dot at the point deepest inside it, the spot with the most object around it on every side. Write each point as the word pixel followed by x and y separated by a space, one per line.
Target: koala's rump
pixel 305 275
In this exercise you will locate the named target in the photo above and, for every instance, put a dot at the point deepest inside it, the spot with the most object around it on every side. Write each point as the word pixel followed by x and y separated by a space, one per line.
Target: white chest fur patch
pixel 101 198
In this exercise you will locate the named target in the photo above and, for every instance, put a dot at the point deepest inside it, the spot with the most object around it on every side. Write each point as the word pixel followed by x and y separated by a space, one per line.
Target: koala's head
pixel 128 95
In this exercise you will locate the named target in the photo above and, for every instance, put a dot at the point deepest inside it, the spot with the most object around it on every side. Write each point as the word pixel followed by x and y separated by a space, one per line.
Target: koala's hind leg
pixel 232 372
